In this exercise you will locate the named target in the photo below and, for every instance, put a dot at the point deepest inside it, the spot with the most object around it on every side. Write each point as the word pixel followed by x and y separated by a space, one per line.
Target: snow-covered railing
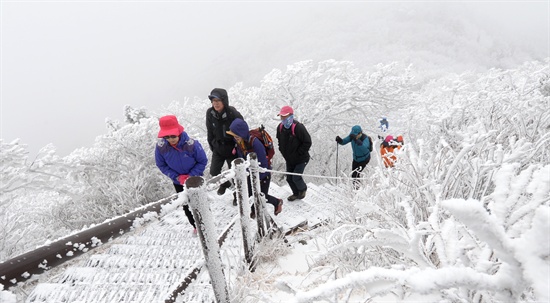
pixel 207 234
pixel 263 221
pixel 197 190
pixel 22 267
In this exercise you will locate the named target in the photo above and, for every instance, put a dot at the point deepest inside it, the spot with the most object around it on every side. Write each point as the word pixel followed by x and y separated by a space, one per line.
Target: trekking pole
pixel 336 162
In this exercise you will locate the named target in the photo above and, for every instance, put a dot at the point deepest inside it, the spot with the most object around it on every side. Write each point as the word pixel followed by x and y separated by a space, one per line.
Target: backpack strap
pixel 292 128
pixel 251 142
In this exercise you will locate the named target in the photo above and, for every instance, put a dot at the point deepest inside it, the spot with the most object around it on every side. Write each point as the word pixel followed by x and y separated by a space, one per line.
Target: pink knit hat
pixel 169 126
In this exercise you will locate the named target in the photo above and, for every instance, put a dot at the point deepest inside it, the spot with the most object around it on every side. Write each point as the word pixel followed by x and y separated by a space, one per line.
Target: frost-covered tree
pixel 114 176
pixel 18 173
pixel 23 183
pixel 461 214
pixel 133 116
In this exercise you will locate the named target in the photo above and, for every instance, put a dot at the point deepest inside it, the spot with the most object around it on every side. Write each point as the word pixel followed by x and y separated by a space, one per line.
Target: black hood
pixel 220 93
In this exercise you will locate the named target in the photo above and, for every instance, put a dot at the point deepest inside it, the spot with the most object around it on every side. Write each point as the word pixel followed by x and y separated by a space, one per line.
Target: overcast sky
pixel 68 65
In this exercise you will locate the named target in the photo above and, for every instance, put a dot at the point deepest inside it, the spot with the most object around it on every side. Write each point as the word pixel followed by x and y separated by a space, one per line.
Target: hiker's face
pixel 217 104
pixel 173 140
pixel 238 139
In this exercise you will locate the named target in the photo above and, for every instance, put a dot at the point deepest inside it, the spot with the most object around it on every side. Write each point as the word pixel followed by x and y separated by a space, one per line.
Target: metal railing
pixel 23 267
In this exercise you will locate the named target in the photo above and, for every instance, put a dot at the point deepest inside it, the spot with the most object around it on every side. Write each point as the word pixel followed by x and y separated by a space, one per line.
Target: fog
pixel 67 66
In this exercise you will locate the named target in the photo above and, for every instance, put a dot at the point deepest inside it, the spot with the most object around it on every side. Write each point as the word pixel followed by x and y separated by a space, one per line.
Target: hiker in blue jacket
pixel 361 147
pixel 384 125
pixel 179 157
pixel 240 132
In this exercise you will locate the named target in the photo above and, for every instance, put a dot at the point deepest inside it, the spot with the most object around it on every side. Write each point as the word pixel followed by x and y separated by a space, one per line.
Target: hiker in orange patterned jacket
pixel 388 149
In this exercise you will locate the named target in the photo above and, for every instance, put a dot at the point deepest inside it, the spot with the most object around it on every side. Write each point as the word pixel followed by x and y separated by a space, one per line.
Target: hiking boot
pixel 302 194
pixel 221 190
pixel 279 208
pixel 292 198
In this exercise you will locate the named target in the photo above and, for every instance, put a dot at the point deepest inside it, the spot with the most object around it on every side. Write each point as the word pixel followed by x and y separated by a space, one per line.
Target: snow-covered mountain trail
pixel 317 207
pixel 150 263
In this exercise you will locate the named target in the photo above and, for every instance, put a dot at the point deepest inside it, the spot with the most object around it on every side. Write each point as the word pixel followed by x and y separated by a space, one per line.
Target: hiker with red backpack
pixel 294 144
pixel 361 146
pixel 247 144
pixel 179 157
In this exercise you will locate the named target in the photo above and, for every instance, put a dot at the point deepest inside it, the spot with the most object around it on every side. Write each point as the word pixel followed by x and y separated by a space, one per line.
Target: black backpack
pixel 370 142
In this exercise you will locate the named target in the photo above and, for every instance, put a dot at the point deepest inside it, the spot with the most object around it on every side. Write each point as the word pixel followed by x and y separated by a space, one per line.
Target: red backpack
pixel 264 137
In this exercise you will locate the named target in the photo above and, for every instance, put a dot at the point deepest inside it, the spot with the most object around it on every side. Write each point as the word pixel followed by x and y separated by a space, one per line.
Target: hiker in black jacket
pixel 294 144
pixel 218 120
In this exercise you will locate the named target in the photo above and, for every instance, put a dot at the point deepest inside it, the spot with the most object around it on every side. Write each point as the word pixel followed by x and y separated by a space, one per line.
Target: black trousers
pixel 296 183
pixel 264 188
pixel 217 164
pixel 188 213
pixel 357 168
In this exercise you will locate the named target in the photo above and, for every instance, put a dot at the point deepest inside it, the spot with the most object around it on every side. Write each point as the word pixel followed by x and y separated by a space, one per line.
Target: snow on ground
pixel 151 247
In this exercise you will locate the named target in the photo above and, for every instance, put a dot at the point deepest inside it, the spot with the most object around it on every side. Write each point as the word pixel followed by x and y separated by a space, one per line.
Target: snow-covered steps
pixel 318 206
pixel 145 265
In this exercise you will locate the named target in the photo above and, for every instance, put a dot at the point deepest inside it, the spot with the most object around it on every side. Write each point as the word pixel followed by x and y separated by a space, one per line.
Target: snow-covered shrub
pixel 23 228
pixel 17 172
pixel 114 176
pixel 461 213
pixel 27 191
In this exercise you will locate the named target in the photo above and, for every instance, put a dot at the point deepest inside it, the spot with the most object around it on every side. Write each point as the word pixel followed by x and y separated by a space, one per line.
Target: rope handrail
pixel 228 175
pixel 306 175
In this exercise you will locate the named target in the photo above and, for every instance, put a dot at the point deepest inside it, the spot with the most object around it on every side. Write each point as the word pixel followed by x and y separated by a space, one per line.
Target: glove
pixel 338 139
pixel 182 179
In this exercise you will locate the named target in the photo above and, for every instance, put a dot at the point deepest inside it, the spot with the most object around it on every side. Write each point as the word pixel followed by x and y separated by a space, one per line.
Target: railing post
pixel 196 192
pixel 259 203
pixel 244 207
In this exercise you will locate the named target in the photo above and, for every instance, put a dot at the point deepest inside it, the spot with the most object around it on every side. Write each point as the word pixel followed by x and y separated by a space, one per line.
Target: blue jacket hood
pixel 240 128
pixel 356 129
